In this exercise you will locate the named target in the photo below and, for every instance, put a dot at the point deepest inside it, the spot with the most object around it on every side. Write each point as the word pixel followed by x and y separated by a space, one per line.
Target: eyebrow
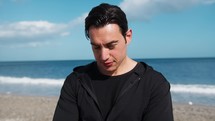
pixel 109 43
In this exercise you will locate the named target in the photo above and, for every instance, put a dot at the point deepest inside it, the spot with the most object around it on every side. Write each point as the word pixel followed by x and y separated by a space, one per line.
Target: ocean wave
pixel 31 81
pixel 193 88
pixel 175 88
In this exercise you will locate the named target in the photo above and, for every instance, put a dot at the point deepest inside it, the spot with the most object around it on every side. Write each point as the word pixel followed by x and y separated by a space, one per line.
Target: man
pixel 114 87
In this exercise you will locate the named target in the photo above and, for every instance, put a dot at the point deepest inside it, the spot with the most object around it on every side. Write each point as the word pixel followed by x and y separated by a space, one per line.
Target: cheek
pixel 120 53
pixel 121 49
pixel 117 54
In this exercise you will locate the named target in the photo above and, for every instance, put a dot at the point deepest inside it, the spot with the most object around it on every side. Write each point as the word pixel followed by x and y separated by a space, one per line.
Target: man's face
pixel 109 47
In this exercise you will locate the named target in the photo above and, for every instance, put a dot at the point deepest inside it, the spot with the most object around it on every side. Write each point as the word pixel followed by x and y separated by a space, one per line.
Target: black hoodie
pixel 145 97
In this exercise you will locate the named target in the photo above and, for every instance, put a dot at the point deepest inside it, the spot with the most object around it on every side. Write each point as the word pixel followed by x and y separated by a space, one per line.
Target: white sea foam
pixel 193 88
pixel 31 81
pixel 176 88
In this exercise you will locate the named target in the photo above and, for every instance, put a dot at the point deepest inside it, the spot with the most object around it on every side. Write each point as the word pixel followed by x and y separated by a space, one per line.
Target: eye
pixel 111 46
pixel 96 47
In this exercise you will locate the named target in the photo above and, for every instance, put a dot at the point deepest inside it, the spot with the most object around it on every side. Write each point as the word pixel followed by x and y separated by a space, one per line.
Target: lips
pixel 108 64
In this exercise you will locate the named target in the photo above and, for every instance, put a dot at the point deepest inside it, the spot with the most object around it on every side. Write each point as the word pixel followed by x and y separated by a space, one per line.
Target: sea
pixel 192 79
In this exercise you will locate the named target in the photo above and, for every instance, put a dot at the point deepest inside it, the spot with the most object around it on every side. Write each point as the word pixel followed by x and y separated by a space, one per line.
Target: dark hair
pixel 105 14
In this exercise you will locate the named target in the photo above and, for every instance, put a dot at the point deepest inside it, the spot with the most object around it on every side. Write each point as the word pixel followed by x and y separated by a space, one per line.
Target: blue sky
pixel 54 29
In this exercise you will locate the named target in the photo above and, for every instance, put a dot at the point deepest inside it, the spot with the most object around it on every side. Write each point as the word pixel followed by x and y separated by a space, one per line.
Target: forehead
pixel 106 33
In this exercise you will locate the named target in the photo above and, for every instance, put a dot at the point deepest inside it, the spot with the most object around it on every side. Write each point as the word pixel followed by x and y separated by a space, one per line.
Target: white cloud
pixel 39 32
pixel 79 20
pixel 145 9
pixel 30 33
pixel 32 44
pixel 30 29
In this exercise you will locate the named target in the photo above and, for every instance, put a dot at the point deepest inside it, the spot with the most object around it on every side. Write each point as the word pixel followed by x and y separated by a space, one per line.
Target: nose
pixel 104 54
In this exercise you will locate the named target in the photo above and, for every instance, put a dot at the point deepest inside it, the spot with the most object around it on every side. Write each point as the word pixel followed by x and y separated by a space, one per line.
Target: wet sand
pixel 30 108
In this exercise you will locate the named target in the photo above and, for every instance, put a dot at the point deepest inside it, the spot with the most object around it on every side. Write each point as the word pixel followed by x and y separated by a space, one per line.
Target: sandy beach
pixel 29 108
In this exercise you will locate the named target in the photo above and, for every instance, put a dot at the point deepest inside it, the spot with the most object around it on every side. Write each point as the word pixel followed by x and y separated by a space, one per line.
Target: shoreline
pixel 38 108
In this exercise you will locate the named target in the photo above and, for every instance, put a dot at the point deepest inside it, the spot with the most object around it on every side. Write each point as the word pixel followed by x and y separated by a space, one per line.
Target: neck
pixel 127 65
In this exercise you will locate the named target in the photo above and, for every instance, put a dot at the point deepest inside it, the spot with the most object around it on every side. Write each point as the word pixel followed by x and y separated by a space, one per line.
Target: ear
pixel 128 36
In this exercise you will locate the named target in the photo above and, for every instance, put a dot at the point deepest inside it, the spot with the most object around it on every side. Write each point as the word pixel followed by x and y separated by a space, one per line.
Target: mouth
pixel 108 64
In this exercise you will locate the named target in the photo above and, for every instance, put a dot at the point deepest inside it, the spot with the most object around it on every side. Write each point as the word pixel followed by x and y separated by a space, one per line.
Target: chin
pixel 107 70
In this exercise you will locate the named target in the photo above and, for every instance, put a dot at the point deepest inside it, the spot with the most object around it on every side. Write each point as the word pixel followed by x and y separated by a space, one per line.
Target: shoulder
pixel 81 70
pixel 156 85
pixel 84 68
pixel 153 77
pixel 72 81
pixel 150 72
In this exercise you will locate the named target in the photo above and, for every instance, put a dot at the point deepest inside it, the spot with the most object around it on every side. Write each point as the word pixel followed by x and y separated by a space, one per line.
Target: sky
pixel 54 29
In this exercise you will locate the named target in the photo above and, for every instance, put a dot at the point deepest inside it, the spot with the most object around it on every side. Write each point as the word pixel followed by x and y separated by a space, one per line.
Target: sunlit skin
pixel 110 49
